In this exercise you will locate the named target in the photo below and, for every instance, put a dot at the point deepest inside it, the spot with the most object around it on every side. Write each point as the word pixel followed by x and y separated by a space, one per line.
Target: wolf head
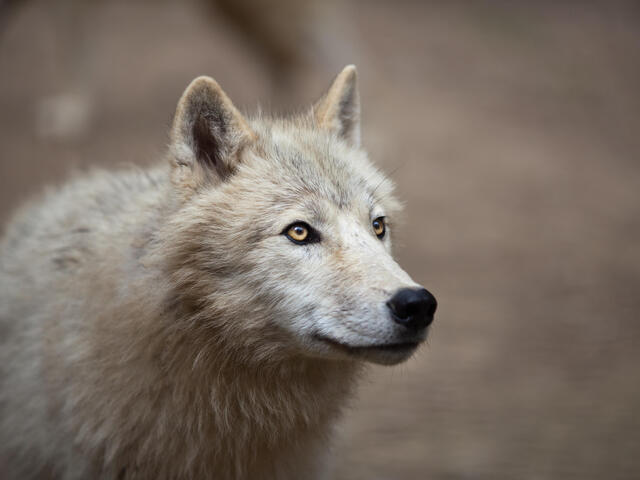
pixel 283 235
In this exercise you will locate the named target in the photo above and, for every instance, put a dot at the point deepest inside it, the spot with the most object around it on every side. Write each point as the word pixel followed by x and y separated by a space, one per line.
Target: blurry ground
pixel 513 134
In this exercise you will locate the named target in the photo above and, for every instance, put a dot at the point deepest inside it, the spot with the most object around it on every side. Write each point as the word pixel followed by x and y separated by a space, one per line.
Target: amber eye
pixel 301 233
pixel 378 227
pixel 298 232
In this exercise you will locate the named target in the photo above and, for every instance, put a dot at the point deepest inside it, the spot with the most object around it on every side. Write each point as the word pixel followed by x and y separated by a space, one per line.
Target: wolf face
pixel 284 234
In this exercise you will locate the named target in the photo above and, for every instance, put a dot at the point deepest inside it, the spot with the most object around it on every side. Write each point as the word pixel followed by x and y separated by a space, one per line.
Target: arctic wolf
pixel 206 318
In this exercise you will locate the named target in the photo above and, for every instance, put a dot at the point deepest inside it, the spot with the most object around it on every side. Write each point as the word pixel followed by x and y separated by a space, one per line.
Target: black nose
pixel 413 307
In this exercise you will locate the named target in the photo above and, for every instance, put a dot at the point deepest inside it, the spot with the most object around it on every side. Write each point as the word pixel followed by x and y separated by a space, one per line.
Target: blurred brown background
pixel 512 130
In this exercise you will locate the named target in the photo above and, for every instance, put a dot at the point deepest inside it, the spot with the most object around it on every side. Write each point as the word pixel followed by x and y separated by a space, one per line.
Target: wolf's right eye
pixel 301 233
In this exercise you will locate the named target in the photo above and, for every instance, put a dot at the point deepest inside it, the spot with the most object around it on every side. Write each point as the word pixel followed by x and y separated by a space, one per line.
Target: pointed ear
pixel 339 109
pixel 208 133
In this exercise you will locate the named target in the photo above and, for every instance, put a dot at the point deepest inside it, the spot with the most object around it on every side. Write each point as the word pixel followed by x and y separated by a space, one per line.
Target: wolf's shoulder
pixel 99 201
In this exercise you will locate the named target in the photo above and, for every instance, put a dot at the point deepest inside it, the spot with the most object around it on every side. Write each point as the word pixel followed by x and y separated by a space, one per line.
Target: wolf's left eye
pixel 379 227
pixel 301 233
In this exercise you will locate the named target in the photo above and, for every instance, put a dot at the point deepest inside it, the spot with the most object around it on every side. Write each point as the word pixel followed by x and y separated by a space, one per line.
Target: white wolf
pixel 207 318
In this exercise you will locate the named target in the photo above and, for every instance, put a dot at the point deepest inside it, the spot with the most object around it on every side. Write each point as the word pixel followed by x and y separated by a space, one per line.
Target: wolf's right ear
pixel 207 135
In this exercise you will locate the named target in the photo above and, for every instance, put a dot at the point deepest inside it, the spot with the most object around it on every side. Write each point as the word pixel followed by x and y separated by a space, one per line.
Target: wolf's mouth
pixel 399 347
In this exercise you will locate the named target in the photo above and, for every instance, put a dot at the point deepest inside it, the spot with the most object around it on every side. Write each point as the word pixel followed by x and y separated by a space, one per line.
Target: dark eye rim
pixel 382 220
pixel 312 237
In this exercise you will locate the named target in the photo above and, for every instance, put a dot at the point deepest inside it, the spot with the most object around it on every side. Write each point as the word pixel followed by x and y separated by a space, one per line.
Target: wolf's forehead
pixel 320 165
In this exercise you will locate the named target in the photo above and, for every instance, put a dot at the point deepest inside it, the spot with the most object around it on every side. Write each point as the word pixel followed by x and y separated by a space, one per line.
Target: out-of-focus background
pixel 512 130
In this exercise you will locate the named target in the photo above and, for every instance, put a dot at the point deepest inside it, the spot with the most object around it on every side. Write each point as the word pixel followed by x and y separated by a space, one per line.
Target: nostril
pixel 413 308
pixel 399 314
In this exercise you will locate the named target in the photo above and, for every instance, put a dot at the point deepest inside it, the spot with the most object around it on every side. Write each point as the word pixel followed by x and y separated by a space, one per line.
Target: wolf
pixel 207 317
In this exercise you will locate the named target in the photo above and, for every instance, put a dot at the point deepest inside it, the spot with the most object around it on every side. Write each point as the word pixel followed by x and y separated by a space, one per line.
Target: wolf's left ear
pixel 339 109
pixel 207 135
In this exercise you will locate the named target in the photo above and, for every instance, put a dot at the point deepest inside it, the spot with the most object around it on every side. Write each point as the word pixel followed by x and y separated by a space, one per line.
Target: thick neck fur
pixel 246 419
